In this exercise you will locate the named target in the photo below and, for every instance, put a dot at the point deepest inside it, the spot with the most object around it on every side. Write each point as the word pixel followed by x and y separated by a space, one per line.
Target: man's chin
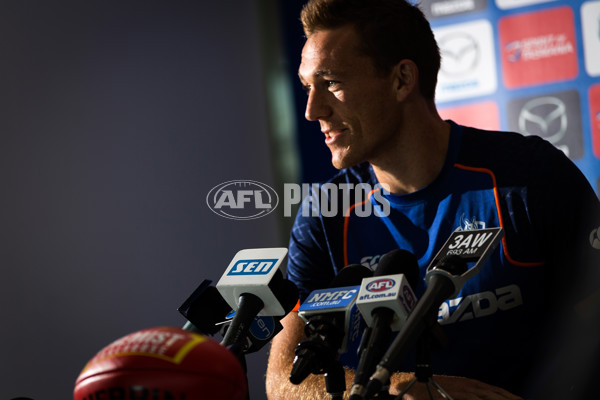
pixel 342 158
pixel 342 164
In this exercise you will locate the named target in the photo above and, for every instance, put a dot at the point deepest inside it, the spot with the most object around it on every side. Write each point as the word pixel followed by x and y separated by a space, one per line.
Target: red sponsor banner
pixel 482 115
pixel 594 94
pixel 538 47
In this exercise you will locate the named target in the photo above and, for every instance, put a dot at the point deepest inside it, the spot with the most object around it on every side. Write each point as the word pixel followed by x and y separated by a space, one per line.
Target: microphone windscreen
pixel 205 308
pixel 453 264
pixel 289 295
pixel 399 261
pixel 350 275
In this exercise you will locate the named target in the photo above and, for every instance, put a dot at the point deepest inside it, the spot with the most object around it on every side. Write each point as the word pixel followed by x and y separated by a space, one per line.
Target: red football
pixel 162 363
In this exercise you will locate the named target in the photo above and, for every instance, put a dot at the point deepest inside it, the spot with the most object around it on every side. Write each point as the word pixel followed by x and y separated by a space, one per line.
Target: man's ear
pixel 406 78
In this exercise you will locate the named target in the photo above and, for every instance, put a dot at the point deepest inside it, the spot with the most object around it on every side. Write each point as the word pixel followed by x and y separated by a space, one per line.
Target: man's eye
pixel 332 84
pixel 306 89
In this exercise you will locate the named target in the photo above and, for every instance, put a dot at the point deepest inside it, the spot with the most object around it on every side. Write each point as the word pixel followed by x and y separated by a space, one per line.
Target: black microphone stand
pixel 335 380
pixel 384 393
pixel 238 351
pixel 332 369
pixel 423 370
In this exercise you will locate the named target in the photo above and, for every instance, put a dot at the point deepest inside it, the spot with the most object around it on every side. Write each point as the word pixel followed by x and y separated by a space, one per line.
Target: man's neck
pixel 418 160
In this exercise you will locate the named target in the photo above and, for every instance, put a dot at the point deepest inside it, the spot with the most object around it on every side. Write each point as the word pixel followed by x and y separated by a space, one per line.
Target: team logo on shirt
pixel 371 262
pixel 469 224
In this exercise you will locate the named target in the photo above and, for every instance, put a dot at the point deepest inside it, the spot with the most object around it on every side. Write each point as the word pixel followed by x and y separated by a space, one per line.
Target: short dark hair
pixel 391 31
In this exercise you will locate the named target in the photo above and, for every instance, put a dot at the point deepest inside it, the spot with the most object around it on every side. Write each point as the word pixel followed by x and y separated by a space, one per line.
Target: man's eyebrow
pixel 318 74
pixel 323 72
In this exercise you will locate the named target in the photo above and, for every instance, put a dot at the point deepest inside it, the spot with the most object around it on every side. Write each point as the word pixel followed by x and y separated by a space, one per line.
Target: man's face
pixel 355 106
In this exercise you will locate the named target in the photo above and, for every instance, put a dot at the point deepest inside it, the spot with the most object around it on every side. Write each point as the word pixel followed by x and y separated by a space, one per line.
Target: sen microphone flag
pixel 251 271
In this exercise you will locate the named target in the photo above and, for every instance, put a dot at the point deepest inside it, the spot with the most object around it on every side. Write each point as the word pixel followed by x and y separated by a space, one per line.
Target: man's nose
pixel 317 106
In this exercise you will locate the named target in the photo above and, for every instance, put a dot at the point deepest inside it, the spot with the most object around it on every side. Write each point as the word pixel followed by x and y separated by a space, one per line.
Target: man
pixel 370 68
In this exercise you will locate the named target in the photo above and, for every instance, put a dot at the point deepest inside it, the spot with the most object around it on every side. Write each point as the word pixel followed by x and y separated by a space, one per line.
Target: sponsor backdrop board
pixel 531 66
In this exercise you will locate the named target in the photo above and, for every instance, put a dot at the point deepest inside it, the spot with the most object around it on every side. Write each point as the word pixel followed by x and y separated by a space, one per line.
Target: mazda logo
pixel 546 117
pixel 460 53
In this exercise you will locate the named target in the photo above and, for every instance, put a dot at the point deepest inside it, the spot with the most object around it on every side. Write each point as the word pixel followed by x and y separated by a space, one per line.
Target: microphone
pixel 252 285
pixel 204 309
pixel 328 312
pixel 385 300
pixel 264 328
pixel 444 278
pixel 440 287
pixel 208 313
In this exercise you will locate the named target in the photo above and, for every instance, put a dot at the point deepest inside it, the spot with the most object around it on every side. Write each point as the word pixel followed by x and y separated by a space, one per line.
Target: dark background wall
pixel 116 119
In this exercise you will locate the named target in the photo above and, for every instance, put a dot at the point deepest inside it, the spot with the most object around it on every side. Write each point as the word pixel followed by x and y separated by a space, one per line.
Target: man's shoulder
pixel 507 151
pixel 504 144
